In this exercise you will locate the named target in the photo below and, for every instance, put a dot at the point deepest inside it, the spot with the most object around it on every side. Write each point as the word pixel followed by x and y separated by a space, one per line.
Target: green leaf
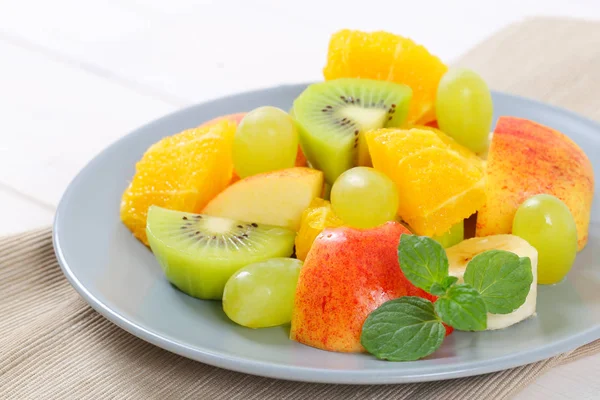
pixel 439 289
pixel 449 281
pixel 502 279
pixel 422 260
pixel 403 329
pixel 462 308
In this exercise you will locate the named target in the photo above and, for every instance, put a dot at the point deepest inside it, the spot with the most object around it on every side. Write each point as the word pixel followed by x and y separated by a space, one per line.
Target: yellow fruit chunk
pixel 404 139
pixel 182 172
pixel 318 216
pixel 439 181
pixel 453 144
pixel 389 57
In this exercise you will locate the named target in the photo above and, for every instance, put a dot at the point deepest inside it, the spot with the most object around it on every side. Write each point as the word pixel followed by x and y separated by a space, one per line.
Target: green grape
pixel 548 225
pixel 261 295
pixel 464 108
pixel 364 197
pixel 455 235
pixel 265 140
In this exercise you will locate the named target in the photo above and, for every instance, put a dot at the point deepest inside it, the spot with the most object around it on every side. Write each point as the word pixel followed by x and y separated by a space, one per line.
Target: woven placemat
pixel 53 345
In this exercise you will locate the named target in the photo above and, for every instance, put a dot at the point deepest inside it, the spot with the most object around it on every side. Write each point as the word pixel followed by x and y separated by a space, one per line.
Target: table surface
pixel 75 76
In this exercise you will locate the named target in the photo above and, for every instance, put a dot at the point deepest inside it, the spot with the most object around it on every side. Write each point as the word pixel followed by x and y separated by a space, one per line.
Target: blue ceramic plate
pixel 120 278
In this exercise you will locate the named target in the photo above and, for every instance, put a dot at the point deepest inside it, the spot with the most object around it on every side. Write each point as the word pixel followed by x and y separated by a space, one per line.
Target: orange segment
pixel 452 144
pixel 414 140
pixel 439 181
pixel 318 216
pixel 181 172
pixel 385 56
pixel 236 118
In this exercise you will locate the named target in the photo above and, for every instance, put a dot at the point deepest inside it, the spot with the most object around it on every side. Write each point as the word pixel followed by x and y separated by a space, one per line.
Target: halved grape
pixel 265 140
pixel 364 197
pixel 548 225
pixel 261 295
pixel 464 108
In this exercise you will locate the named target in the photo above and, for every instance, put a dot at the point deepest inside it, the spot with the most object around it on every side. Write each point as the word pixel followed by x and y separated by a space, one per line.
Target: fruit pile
pixel 346 215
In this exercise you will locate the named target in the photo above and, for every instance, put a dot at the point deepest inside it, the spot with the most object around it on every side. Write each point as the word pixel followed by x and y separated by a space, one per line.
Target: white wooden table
pixel 77 75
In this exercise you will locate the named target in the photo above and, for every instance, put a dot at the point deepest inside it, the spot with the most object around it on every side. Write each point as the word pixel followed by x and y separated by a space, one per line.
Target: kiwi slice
pixel 198 253
pixel 333 116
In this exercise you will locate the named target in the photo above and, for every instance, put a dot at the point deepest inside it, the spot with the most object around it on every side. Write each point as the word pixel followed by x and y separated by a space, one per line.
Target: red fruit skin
pixel 347 274
pixel 300 158
pixel 449 329
pixel 433 124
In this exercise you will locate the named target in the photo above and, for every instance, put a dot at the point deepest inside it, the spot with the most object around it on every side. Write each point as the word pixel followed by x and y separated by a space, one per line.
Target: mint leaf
pixel 449 281
pixel 403 329
pixel 439 289
pixel 502 279
pixel 422 260
pixel 462 308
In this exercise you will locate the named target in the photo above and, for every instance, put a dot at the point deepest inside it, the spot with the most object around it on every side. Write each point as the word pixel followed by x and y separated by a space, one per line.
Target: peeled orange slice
pixel 318 216
pixel 385 56
pixel 453 144
pixel 182 172
pixel 439 182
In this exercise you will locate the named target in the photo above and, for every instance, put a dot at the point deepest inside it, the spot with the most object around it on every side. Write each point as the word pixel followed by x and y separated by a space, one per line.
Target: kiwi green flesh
pixel 199 253
pixel 332 117
pixel 367 119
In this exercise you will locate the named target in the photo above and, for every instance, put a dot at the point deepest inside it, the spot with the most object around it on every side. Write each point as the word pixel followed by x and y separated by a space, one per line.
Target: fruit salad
pixel 345 215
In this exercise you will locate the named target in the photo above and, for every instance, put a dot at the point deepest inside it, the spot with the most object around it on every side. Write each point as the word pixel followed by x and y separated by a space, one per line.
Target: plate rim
pixel 286 371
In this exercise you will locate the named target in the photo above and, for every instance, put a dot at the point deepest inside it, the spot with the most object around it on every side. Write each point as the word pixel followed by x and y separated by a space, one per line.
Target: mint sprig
pixel 423 261
pixel 410 328
pixel 462 308
pixel 403 329
pixel 502 278
pixel 439 289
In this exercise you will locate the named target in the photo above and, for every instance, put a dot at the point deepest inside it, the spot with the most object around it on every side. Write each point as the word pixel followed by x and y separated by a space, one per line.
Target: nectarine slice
pixel 525 159
pixel 347 274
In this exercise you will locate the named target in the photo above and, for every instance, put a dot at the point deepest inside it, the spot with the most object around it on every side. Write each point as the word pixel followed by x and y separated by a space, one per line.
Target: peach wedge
pixel 525 159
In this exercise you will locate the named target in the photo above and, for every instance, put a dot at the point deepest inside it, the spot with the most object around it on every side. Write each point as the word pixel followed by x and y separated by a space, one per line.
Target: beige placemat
pixel 52 345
